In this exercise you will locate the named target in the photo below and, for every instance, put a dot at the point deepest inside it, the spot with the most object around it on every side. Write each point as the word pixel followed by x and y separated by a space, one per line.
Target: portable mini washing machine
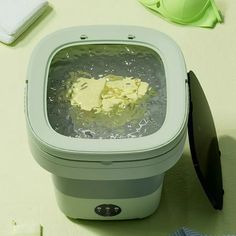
pixel 111 166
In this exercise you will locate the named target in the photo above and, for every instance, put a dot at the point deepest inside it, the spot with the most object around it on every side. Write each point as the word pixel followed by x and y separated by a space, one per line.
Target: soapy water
pixel 141 119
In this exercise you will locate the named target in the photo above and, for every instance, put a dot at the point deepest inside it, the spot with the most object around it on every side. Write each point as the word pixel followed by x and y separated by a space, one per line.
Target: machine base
pixel 130 208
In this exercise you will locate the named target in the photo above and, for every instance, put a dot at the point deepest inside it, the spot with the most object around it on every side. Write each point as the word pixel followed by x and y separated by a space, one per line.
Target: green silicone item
pixel 202 13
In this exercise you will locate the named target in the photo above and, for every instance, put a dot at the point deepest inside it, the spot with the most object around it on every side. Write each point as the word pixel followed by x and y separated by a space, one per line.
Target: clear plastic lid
pixel 111 76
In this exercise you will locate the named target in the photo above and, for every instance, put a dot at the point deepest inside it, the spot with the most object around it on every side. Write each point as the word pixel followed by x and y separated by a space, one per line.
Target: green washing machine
pixel 108 109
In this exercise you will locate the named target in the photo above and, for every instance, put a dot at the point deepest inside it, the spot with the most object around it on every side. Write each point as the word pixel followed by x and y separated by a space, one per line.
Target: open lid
pixel 204 144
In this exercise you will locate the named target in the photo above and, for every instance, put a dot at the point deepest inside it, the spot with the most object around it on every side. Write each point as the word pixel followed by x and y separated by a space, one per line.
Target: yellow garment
pixel 86 93
pixel 104 94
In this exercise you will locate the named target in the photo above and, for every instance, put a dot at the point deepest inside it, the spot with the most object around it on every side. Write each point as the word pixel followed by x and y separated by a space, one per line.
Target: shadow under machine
pixel 108 109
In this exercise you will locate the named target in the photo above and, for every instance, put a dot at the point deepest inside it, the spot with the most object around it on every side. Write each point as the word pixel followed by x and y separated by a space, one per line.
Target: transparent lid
pixel 105 91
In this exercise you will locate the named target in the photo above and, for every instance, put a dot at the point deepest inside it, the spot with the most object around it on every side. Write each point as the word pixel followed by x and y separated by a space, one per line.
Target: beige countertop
pixel 26 189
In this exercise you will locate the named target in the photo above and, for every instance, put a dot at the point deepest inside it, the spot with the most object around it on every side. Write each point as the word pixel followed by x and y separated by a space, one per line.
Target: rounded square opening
pixel 106 91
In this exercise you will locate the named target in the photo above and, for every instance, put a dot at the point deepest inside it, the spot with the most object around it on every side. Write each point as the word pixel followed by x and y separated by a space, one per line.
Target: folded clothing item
pixel 17 15
pixel 200 13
